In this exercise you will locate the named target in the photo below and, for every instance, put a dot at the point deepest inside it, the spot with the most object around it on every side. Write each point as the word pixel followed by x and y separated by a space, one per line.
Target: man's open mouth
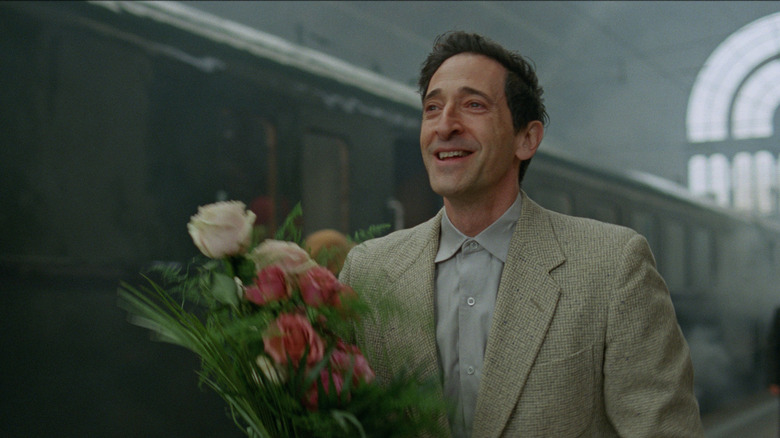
pixel 452 154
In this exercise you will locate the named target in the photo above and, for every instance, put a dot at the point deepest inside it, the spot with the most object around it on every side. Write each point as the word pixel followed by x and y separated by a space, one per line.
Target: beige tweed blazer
pixel 584 340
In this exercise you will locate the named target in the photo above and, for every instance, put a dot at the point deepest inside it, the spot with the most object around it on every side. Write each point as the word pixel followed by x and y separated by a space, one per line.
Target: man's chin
pixel 445 191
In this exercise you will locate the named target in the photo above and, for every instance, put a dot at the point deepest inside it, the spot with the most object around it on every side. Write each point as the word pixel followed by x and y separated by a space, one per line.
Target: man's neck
pixel 471 218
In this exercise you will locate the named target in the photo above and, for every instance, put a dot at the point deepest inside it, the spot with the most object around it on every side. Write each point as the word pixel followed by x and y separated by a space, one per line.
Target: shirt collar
pixel 495 238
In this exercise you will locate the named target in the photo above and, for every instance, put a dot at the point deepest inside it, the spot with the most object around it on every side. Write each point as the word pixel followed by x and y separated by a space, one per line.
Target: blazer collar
pixel 526 301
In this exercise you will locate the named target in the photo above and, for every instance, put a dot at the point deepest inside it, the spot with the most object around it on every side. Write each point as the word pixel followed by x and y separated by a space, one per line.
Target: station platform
pixel 755 417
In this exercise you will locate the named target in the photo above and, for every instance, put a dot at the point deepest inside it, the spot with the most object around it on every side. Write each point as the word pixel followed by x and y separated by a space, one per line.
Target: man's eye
pixel 431 107
pixel 475 105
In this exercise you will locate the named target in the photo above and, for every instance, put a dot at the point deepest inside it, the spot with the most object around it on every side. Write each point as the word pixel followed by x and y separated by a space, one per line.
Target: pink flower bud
pixel 270 285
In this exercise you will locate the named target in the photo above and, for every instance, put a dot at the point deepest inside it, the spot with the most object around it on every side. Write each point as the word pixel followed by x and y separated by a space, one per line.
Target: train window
pixel 325 182
pixel 671 260
pixel 701 257
pixel 246 164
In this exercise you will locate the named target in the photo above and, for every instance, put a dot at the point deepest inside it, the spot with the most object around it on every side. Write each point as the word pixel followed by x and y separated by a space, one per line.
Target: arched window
pixel 737 88
pixel 736 97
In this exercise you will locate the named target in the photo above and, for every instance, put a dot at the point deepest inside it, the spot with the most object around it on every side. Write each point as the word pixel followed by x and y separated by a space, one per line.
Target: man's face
pixel 467 139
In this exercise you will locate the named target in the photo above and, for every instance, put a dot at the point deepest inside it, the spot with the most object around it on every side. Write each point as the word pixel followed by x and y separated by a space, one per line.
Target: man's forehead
pixel 465 90
pixel 469 67
pixel 468 74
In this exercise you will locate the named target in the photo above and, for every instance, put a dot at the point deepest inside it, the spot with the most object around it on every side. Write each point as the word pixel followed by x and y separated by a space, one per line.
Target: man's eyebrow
pixel 432 94
pixel 469 90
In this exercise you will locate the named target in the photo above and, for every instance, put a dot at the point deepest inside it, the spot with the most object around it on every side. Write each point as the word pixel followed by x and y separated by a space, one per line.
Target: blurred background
pixel 120 118
pixel 618 76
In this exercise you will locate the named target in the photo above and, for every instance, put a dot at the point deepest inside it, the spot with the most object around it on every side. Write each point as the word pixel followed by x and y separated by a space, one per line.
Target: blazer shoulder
pixel 398 239
pixel 398 246
pixel 580 237
pixel 589 229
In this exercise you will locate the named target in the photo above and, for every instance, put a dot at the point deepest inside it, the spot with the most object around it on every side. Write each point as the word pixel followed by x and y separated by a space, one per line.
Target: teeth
pixel 443 155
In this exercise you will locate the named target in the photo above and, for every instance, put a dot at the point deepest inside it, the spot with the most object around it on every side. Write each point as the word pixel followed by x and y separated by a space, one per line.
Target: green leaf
pixel 343 417
pixel 372 232
pixel 224 289
pixel 290 230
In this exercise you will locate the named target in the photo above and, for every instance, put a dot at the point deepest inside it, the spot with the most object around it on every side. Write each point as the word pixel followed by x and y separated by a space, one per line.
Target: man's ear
pixel 528 140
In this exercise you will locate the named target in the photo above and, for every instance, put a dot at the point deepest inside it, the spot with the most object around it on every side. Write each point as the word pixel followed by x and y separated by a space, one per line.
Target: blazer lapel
pixel 526 301
pixel 412 284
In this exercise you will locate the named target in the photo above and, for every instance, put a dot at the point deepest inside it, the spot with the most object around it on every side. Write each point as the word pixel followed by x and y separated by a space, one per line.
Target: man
pixel 540 324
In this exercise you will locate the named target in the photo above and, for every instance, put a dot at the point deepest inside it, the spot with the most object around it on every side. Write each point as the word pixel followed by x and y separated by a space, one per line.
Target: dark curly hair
pixel 523 93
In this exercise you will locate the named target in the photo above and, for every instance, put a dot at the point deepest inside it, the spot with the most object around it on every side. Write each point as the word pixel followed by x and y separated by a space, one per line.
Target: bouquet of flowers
pixel 271 327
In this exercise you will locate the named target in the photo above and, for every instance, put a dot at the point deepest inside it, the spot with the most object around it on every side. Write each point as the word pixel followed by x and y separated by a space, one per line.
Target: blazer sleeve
pixel 648 374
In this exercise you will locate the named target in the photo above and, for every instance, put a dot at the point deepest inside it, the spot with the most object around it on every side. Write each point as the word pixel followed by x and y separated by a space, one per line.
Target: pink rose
pixel 290 257
pixel 222 229
pixel 288 338
pixel 347 356
pixel 312 395
pixel 343 358
pixel 319 286
pixel 270 285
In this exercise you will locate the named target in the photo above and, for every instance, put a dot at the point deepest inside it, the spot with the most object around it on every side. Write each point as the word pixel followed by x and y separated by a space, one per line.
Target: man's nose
pixel 449 123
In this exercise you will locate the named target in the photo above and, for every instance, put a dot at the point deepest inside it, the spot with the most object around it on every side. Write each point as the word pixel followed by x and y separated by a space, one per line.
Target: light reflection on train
pixel 149 118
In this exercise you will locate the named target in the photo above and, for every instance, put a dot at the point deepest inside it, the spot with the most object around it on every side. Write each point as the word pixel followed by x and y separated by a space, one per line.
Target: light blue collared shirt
pixel 468 271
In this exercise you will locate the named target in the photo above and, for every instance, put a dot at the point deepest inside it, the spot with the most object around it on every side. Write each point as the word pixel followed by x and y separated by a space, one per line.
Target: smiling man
pixel 469 146
pixel 539 324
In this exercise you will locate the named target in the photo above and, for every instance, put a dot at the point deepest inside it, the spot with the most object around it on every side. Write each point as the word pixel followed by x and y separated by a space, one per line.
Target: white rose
pixel 222 229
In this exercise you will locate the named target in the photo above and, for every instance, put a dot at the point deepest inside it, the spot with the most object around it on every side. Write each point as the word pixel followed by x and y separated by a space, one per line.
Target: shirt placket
pixel 471 265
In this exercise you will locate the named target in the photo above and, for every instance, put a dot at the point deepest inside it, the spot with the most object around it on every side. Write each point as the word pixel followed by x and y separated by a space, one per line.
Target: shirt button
pixel 470 370
pixel 472 245
pixel 470 301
